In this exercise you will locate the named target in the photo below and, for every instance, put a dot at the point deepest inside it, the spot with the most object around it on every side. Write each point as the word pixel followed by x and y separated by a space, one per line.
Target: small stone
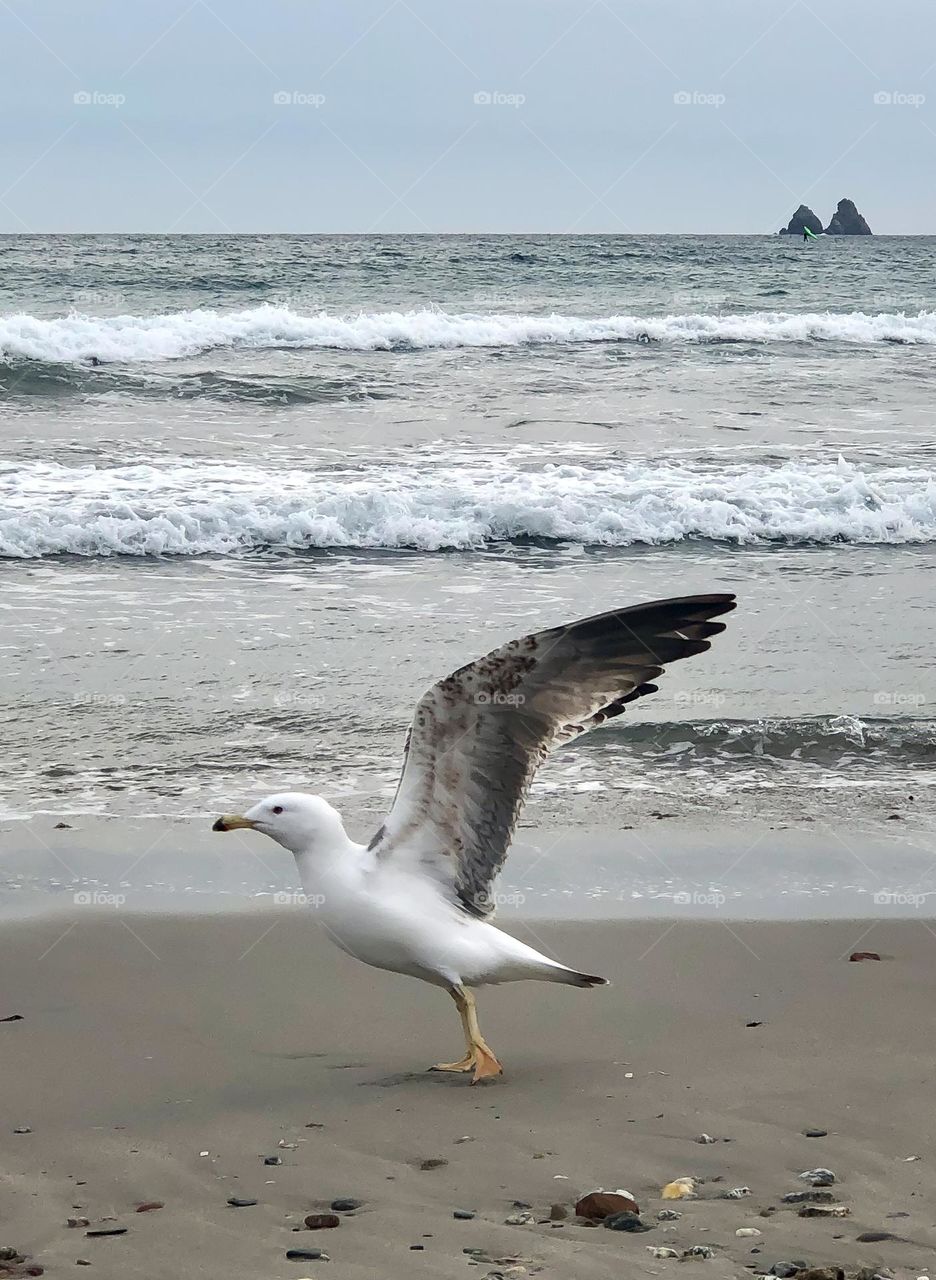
pixel 9 1254
pixel 753 1024
pixel 863 955
pixel 463 1215
pixel 699 1251
pixel 107 1231
pixel 519 1219
pixel 418 1248
pixel 824 1211
pixel 626 1222
pixel 522 1204
pixel 321 1221
pixel 434 1162
pixel 345 1205
pixel 875 1237
pixel 815 1133
pixel 705 1139
pixel 748 1231
pixel 669 1215
pixel 822 1273
pixel 77 1222
pixel 22 1128
pixel 661 1251
pixel 272 1159
pixel 736 1193
pixel 679 1189
pixel 598 1205
pixel 12 1017
pixel 818 1177
pixel 558 1213
pixel 238 1202
pixel 149 1205
pixel 82 1262
pixel 808 1197
pixel 464 1138
pixel 306 1255
pixel 62 826
pixel 785 1269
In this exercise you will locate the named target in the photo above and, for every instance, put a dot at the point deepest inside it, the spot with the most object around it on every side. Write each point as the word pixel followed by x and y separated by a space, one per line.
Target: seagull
pixel 417 900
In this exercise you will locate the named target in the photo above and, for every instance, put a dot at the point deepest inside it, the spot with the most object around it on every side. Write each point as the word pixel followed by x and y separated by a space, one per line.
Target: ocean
pixel 257 492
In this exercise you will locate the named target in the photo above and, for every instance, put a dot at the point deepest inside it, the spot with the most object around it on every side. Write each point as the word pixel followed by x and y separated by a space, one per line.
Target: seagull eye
pixel 277 808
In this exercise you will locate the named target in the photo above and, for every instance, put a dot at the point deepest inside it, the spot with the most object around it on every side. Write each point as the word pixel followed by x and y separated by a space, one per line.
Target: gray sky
pixel 377 127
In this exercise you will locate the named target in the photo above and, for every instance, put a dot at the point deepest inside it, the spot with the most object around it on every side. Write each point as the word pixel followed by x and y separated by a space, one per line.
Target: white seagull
pixel 417 899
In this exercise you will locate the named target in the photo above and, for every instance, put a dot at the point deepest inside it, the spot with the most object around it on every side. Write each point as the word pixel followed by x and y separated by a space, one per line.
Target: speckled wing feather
pixel 478 737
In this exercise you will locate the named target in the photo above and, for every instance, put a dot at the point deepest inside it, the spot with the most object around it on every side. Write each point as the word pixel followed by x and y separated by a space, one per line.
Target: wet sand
pixel 146 1041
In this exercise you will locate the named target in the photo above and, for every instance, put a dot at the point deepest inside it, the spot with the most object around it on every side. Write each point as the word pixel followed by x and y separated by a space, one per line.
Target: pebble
pixel 8 1253
pixel 864 955
pixel 748 1231
pixel 321 1221
pixel 239 1203
pixel 107 1231
pixel 786 1269
pixel 679 1189
pixel 463 1215
pixel 77 1222
pixel 808 1197
pixel 519 1219
pixel 558 1213
pixel 418 1248
pixel 82 1262
pixel 22 1128
pixel 306 1255
pixel 699 1251
pixel 736 1193
pixel 464 1138
pixel 149 1205
pixel 345 1205
pixel 875 1237
pixel 272 1159
pixel 824 1211
pixel 669 1215
pixel 705 1139
pixel 598 1205
pixel 434 1162
pixel 818 1177
pixel 661 1251
pixel 815 1133
pixel 626 1222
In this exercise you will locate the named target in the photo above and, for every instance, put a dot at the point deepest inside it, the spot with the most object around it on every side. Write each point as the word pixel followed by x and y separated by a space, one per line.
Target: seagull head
pixel 298 822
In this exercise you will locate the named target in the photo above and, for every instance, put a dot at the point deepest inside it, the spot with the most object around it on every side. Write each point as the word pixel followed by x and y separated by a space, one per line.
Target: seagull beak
pixel 231 822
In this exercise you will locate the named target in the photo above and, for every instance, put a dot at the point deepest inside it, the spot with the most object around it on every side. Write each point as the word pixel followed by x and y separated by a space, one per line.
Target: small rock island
pixel 846 221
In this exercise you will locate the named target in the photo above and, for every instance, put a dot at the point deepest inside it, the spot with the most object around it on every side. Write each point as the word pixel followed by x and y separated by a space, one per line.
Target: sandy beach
pixel 161 1058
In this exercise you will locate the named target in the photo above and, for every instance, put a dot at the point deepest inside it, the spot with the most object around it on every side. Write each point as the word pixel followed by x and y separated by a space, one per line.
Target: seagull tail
pixel 574 979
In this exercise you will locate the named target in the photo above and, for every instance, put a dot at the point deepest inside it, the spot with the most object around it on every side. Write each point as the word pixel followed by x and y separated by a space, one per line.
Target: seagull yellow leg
pixel 468 1061
pixel 486 1064
pixel 480 1056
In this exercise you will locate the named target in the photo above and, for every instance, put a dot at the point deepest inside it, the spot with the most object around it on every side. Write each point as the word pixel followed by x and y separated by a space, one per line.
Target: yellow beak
pixel 231 822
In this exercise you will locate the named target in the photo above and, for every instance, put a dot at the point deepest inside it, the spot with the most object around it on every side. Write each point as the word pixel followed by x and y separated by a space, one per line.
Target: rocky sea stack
pixel 803 218
pixel 846 221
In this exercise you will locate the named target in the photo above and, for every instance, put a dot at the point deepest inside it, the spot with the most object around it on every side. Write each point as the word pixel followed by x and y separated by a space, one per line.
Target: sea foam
pixel 188 333
pixel 191 507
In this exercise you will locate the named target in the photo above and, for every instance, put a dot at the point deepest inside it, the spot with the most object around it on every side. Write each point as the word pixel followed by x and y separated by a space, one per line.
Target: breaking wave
pixel 192 507
pixel 83 338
